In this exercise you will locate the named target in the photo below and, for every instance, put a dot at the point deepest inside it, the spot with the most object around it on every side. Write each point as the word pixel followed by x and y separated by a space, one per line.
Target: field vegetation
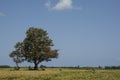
pixel 59 74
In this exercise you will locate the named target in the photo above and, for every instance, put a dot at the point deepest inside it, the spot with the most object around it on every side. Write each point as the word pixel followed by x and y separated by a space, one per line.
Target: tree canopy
pixel 35 48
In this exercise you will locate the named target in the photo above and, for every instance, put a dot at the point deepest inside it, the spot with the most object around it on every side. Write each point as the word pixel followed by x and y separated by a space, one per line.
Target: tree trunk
pixel 17 66
pixel 35 66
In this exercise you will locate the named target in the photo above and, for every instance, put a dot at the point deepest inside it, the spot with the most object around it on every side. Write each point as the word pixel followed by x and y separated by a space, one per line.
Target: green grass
pixel 59 74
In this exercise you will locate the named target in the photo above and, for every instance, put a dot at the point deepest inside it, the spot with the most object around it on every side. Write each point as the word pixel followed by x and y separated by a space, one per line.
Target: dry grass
pixel 58 74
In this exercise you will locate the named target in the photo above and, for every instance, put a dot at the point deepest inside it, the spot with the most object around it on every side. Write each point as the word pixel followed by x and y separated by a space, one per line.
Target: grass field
pixel 59 74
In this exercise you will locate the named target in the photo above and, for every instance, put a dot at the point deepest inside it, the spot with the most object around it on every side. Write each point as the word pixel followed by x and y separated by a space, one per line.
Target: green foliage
pixel 35 48
pixel 17 55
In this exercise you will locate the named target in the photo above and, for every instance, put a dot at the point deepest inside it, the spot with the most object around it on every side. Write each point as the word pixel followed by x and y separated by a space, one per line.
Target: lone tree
pixel 36 47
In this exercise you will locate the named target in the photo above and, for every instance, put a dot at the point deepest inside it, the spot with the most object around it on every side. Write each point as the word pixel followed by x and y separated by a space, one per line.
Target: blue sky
pixel 86 32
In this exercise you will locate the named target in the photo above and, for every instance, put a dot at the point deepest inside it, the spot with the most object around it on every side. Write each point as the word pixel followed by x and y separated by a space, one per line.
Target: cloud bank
pixel 61 5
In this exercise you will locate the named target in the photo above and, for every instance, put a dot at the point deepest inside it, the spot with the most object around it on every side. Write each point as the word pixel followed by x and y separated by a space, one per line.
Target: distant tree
pixel 99 67
pixel 17 55
pixel 36 47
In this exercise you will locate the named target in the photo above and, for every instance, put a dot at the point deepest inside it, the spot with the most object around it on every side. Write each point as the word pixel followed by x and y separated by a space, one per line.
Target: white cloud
pixel 2 14
pixel 61 5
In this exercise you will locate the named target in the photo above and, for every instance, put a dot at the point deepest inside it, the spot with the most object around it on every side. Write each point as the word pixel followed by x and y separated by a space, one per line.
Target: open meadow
pixel 58 74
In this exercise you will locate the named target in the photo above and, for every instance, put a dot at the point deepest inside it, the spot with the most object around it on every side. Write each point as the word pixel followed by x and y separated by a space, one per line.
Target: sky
pixel 86 32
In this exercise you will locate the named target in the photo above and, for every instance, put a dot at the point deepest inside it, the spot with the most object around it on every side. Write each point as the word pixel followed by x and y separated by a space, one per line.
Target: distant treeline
pixel 87 67
pixel 112 67
pixel 4 66
pixel 76 67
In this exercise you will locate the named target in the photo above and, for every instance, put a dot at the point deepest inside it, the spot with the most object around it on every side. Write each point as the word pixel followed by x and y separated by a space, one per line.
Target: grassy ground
pixel 59 74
